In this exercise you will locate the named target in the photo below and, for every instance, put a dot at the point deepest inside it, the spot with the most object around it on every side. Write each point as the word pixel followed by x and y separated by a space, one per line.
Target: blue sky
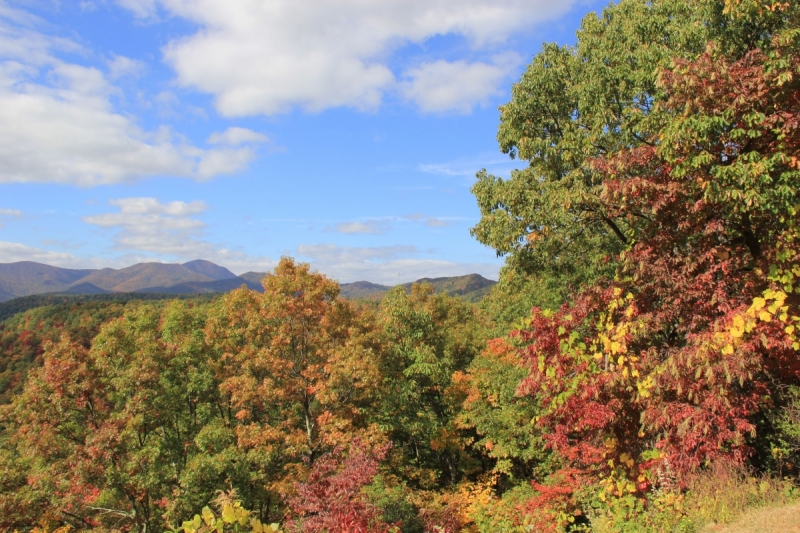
pixel 345 133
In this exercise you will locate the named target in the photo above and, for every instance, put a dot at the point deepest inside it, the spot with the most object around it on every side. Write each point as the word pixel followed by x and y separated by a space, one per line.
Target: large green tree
pixel 691 174
pixel 427 338
pixel 578 103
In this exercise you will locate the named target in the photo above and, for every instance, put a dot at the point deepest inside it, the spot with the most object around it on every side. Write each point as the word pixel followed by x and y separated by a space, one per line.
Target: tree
pixel 298 371
pixel 669 139
pixel 428 337
pixel 671 364
pixel 574 105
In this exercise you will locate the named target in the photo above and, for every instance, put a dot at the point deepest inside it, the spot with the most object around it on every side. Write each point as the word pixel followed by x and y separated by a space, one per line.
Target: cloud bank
pixel 58 123
pixel 317 55
pixel 170 229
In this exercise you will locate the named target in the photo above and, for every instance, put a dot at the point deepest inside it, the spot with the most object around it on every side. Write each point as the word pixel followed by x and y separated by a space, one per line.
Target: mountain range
pixel 472 287
pixel 27 278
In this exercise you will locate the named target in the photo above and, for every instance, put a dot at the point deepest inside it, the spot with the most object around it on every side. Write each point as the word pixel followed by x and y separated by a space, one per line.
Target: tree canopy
pixel 645 331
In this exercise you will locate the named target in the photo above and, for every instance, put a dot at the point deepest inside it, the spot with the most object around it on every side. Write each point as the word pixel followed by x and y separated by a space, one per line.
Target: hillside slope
pixel 205 287
pixel 26 277
pixel 207 268
pixel 143 276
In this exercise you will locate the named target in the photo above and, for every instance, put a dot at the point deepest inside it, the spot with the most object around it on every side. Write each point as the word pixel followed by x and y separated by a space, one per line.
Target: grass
pixel 724 493
pixel 722 499
pixel 784 519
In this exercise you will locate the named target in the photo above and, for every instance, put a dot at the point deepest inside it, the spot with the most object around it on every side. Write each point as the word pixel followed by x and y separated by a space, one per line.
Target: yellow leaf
pixel 736 332
pixel 759 303
pixel 738 321
pixel 789 330
pixel 764 316
pixel 727 350
pixel 208 516
pixel 228 514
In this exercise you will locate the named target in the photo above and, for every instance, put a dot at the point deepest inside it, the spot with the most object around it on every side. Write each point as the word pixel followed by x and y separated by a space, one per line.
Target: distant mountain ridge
pixel 472 287
pixel 26 278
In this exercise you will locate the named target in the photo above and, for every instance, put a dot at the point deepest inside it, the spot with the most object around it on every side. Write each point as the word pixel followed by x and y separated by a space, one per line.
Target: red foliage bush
pixel 331 499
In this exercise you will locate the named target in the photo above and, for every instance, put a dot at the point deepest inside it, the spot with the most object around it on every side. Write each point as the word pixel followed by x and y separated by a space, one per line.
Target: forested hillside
pixel 636 368
pixel 28 324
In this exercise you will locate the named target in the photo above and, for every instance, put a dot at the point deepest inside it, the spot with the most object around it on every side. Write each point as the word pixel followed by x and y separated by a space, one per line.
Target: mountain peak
pixel 207 268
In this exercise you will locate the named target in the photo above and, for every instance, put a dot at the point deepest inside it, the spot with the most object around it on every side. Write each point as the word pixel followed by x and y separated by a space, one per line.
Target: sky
pixel 344 133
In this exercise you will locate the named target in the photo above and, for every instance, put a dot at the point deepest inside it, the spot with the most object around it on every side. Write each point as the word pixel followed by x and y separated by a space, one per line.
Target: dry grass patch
pixel 784 519
pixel 725 492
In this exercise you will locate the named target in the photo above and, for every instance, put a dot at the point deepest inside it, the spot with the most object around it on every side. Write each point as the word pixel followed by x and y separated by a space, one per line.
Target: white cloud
pixel 259 57
pixel 122 66
pixel 333 253
pixel 369 227
pixel 236 136
pixel 147 225
pixel 378 226
pixel 144 9
pixel 169 230
pixel 11 252
pixel 388 265
pixel 442 86
pixel 432 222
pixel 151 206
pixel 225 161
pixel 10 212
pixel 66 130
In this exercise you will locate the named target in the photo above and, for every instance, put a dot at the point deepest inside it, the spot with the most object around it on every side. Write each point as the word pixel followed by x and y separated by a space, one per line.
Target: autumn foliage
pixel 331 498
pixel 657 230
